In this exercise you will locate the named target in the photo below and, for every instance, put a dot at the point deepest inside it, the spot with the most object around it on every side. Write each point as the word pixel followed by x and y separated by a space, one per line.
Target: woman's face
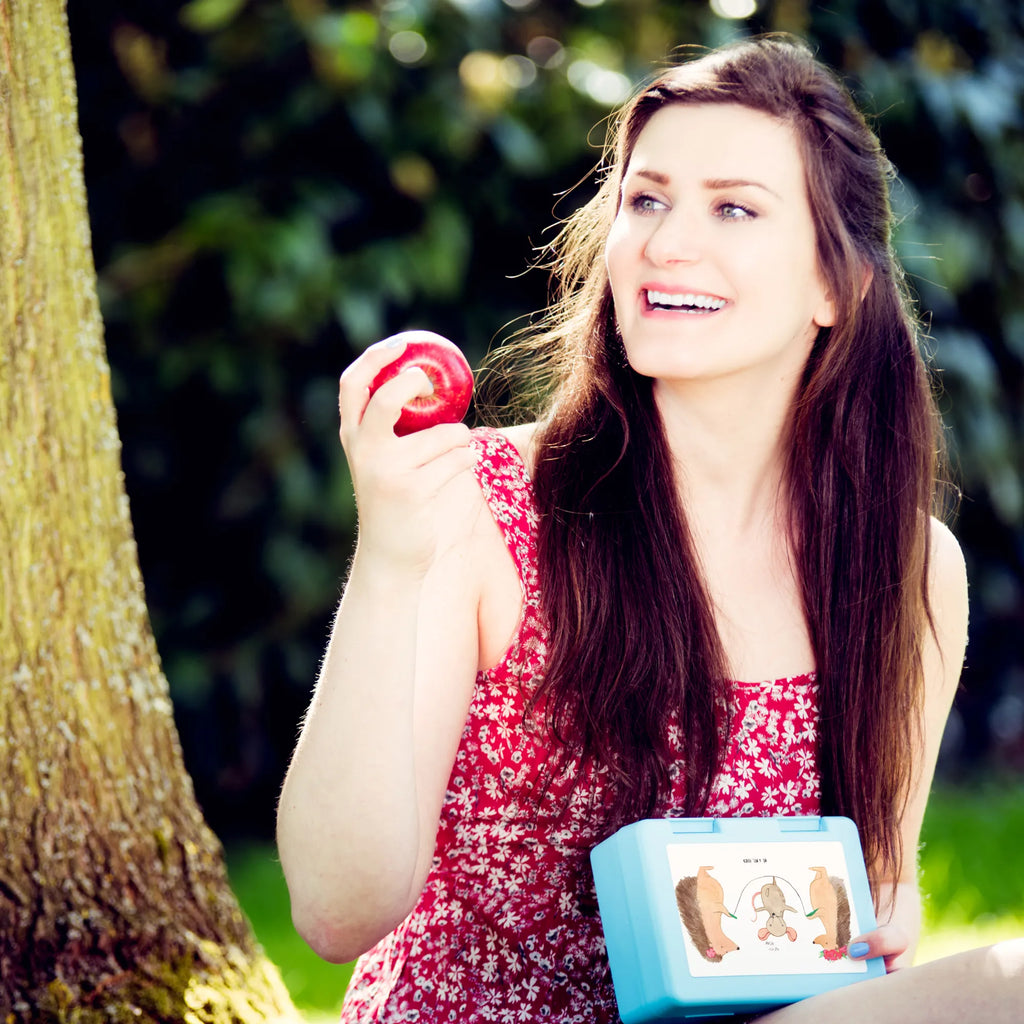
pixel 711 257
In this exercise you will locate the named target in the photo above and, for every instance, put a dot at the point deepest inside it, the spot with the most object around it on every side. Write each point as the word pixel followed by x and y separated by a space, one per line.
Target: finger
pixel 409 488
pixel 407 468
pixel 888 941
pixel 423 446
pixel 354 386
pixel 443 469
pixel 386 403
pixel 419 465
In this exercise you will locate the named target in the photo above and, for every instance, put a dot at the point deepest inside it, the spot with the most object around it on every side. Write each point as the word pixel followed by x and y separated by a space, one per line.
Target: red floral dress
pixel 506 928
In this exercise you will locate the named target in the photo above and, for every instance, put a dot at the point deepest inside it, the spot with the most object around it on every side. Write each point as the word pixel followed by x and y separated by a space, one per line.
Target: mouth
pixel 692 303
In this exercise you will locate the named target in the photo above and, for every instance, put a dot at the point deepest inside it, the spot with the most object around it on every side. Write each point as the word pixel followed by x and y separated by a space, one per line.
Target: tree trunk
pixel 114 903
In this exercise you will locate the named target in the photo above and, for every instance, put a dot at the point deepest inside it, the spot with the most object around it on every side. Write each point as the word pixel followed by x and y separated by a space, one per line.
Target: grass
pixel 972 866
pixel 316 987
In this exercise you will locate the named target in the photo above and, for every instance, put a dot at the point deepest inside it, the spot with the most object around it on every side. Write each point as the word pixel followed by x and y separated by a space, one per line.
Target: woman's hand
pixel 895 938
pixel 396 479
pixel 890 941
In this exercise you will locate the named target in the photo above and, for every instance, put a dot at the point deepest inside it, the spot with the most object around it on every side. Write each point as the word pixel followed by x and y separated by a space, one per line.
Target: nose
pixel 675 238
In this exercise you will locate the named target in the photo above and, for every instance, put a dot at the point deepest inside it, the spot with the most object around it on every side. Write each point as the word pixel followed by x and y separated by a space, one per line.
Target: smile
pixel 684 302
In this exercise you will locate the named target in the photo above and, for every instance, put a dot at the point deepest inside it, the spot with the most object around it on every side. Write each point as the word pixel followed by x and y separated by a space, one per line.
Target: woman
pixel 557 628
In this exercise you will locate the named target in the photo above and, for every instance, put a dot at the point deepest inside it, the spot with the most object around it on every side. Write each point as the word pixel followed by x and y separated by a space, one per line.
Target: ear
pixel 865 282
pixel 825 314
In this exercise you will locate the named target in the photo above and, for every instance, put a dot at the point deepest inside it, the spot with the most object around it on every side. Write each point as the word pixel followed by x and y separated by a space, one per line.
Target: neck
pixel 728 445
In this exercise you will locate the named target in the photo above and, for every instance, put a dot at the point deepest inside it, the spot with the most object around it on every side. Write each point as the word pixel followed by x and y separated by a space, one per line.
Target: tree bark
pixel 114 903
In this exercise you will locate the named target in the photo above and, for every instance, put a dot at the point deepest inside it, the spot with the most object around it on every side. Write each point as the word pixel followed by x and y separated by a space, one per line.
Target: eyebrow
pixel 711 184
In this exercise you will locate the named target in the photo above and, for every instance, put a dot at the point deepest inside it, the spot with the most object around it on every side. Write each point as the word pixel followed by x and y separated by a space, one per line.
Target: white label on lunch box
pixel 764 908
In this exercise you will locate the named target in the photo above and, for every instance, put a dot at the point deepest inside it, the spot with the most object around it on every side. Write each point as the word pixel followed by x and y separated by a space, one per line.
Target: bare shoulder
pixel 501 589
pixel 947 574
pixel 523 438
pixel 469 565
pixel 947 595
pixel 461 512
pixel 463 507
pixel 945 545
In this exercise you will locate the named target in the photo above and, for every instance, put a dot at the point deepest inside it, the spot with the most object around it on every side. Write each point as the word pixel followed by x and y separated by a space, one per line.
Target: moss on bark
pixel 179 993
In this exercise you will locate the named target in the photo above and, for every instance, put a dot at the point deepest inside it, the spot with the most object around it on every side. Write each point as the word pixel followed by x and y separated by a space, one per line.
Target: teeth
pixel 684 299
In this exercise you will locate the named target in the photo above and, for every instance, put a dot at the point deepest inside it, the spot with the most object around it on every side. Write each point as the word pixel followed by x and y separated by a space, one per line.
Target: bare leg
pixel 981 985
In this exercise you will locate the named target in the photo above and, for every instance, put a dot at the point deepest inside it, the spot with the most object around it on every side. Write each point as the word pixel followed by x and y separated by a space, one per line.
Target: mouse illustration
pixel 773 903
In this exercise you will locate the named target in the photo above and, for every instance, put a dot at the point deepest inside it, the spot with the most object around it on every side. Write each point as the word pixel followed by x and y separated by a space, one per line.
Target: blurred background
pixel 275 184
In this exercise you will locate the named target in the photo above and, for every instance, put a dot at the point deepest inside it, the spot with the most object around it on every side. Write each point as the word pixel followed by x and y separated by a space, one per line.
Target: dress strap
pixel 505 482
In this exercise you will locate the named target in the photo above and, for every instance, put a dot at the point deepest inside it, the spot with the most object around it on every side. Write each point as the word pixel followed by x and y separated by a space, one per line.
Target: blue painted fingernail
pixel 858 949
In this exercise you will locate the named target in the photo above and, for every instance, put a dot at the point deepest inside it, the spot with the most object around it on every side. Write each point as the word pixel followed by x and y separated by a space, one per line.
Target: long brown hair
pixel 633 638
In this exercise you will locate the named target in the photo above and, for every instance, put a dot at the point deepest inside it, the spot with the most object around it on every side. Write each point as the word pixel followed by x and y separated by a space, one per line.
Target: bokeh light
pixel 408 47
pixel 734 8
pixel 602 85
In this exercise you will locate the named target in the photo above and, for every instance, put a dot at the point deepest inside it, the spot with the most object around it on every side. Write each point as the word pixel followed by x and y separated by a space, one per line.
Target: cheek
pixel 787 277
pixel 612 271
pixel 618 255
pixel 612 245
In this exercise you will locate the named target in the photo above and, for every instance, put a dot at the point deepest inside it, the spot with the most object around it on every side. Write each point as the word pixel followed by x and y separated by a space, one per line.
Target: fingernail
pixel 858 949
pixel 393 342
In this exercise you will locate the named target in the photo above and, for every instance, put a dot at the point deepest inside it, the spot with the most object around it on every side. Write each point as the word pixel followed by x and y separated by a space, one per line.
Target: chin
pixel 661 369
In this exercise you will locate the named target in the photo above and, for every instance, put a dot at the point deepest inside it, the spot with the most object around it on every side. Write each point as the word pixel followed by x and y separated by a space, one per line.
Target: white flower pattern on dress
pixel 506 928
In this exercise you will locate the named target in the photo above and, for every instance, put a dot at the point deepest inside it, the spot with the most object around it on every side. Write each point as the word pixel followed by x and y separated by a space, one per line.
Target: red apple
pixel 449 373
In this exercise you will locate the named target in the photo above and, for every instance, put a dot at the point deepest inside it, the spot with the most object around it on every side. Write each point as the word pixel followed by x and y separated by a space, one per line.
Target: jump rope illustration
pixel 700 899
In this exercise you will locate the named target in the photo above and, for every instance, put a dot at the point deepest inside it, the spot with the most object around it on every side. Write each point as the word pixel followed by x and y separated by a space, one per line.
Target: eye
pixel 643 203
pixel 734 211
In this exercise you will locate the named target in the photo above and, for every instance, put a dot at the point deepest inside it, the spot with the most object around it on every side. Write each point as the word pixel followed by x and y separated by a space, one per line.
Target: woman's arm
pixel 361 802
pixel 899 901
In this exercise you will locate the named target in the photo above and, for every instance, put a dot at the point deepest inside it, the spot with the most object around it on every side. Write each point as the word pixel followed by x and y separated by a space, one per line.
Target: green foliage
pixel 274 184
